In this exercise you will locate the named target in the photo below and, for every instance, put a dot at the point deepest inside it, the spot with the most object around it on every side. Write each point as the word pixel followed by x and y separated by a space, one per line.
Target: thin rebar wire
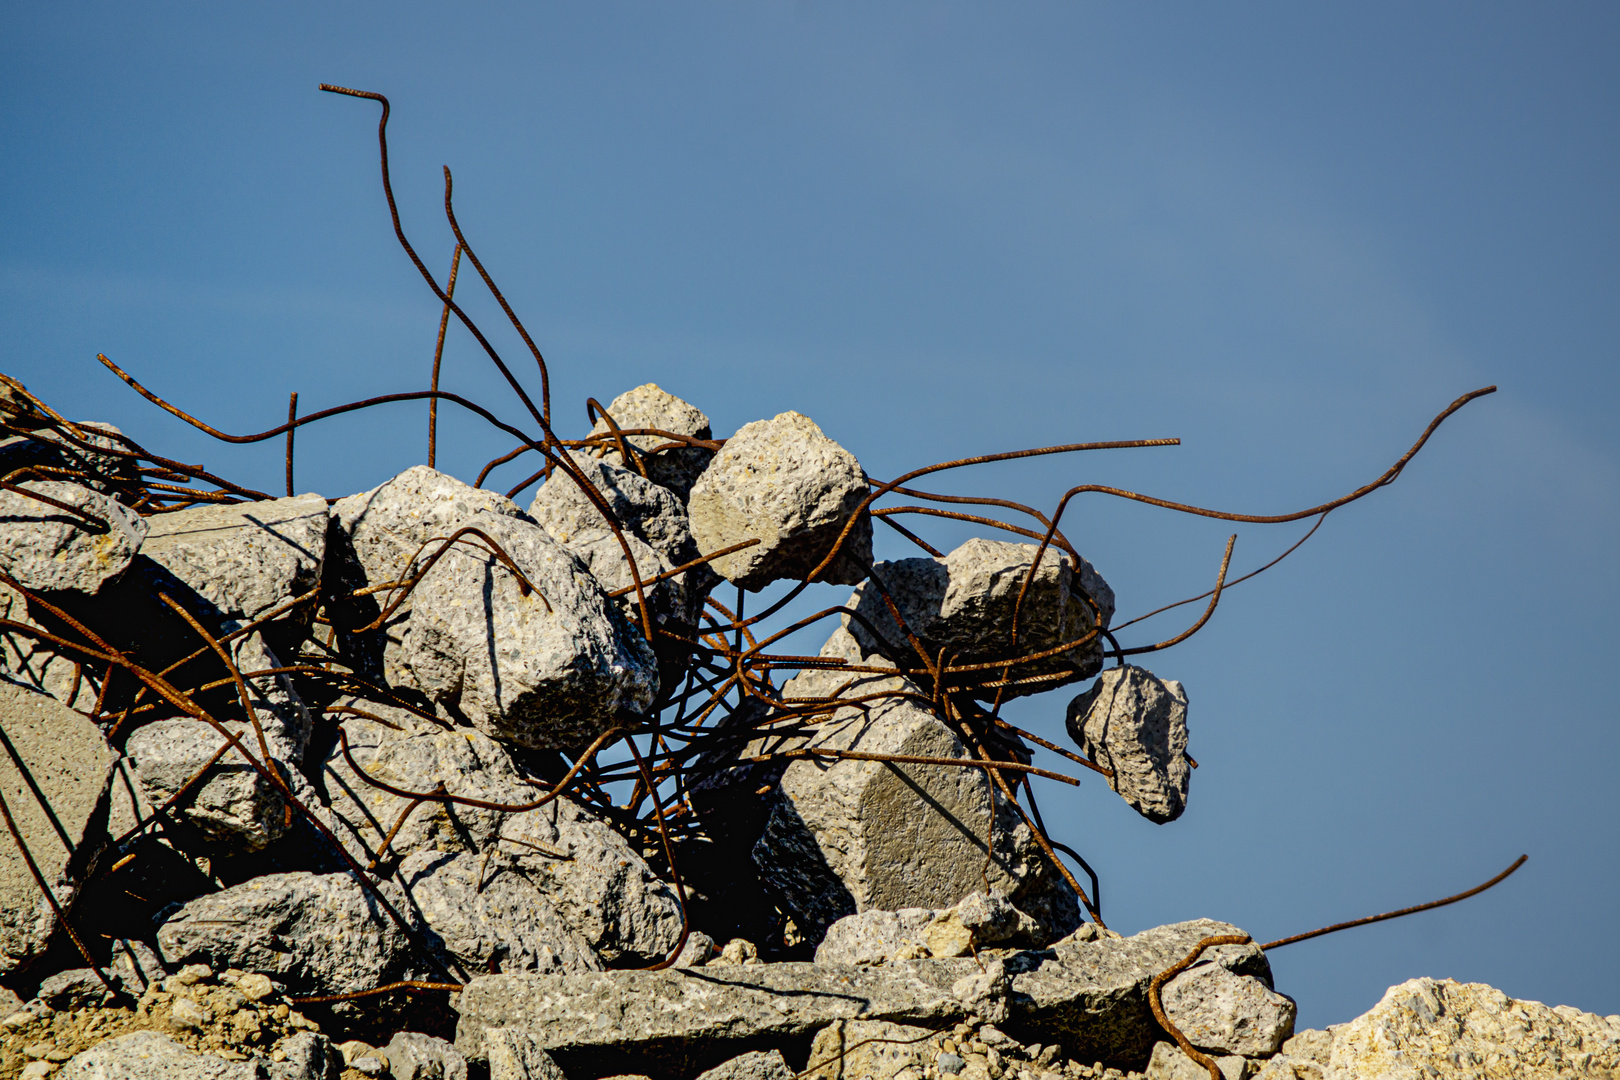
pixel 438 354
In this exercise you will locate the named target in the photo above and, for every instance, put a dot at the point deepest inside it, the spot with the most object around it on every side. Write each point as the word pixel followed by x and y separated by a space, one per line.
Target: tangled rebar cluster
pixel 724 717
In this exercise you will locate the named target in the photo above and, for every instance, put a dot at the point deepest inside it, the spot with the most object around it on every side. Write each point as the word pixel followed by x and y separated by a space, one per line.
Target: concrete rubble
pixel 967 607
pixel 541 666
pixel 1135 725
pixel 456 836
pixel 784 483
pixel 54 775
pixel 848 835
pixel 675 467
pixel 77 541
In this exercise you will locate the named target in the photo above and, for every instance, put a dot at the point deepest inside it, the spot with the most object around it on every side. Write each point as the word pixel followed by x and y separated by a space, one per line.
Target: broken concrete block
pixel 1135 724
pixel 848 835
pixel 514 1054
pixel 648 406
pixel 149 1055
pixel 1222 1012
pixel 546 666
pixel 45 547
pixel 244 558
pixel 32 661
pixel 783 482
pixel 317 933
pixel 975 922
pixel 1169 1063
pixel 489 916
pixel 964 604
pixel 1091 996
pixel 602 888
pixel 54 774
pixel 638 505
pixel 754 1065
pixel 869 938
pixel 234 803
pixel 414 1056
pixel 1438 1028
pixel 857 1049
pixel 678 1022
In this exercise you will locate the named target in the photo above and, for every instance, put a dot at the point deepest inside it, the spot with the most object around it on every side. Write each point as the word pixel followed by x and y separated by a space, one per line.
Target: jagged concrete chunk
pixel 678 1022
pixel 601 887
pixel 30 660
pixel 1091 996
pixel 149 1055
pixel 644 508
pixel 1136 724
pixel 1169 1063
pixel 783 482
pixel 490 916
pixel 55 767
pixel 975 922
pixel 869 938
pixel 43 546
pixel 858 1049
pixel 1437 1029
pixel 514 1054
pixel 317 933
pixel 754 1065
pixel 244 558
pixel 234 803
pixel 543 667
pixel 649 406
pixel 1222 1012
pixel 848 835
pixel 964 604
pixel 655 528
pixel 414 1056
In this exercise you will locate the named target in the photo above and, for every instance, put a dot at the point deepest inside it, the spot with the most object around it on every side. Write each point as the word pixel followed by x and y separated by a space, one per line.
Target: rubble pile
pixel 280 770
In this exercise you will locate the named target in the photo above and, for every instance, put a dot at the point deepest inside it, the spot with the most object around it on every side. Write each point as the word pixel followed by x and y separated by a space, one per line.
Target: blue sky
pixel 1287 234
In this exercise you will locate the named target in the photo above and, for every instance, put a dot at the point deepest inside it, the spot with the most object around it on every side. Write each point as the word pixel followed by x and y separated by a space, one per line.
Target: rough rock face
pixel 783 482
pixel 150 1055
pixel 1091 995
pixel 754 1065
pixel 1437 1028
pixel 850 835
pixel 678 1022
pixel 414 1056
pixel 964 604
pixel 1088 993
pixel 1169 1063
pixel 603 890
pixel 1223 1012
pixel 244 558
pixel 875 937
pixel 514 1054
pixel 548 667
pixel 851 1049
pixel 1136 724
pixel 489 916
pixel 235 803
pixel 649 406
pixel 651 512
pixel 68 767
pixel 317 933
pixel 31 661
pixel 43 546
